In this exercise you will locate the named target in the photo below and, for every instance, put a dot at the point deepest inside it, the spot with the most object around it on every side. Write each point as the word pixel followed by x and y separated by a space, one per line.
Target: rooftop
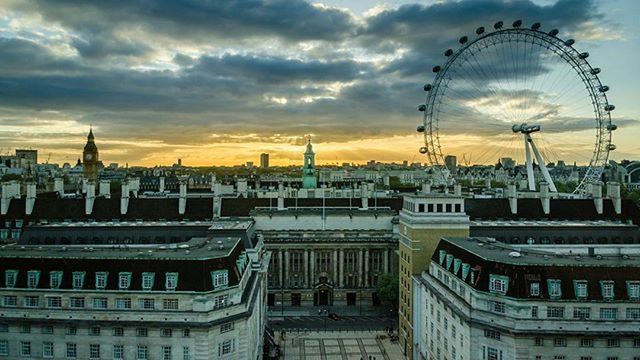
pixel 550 223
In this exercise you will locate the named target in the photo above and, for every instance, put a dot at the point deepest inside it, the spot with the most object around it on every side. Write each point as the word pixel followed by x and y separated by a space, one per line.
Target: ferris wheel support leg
pixel 530 176
pixel 543 166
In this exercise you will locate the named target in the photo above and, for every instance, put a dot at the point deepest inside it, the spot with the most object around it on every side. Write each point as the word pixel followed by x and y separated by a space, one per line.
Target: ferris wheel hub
pixel 525 129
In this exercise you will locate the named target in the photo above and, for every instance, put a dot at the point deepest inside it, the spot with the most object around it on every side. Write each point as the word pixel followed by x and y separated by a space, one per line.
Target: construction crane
pixel 48 158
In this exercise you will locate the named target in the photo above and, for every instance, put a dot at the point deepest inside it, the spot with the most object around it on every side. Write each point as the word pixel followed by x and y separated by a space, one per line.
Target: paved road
pixel 352 323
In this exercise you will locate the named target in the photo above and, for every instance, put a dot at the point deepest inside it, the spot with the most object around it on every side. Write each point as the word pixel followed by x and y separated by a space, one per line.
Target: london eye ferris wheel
pixel 522 93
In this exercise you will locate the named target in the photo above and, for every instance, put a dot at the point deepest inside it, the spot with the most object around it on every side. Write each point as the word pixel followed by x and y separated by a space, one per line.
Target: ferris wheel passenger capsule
pixel 422 107
pixel 595 71
pixel 420 128
pixel 448 53
pixel 611 147
pixel 535 26
pixel 554 32
pixel 583 55
pixel 480 30
pixel 569 42
pixel 424 150
pixel 517 23
pixel 609 107
pixel 498 25
pixel 428 87
pixel 603 88
pixel 463 40
pixel 436 69
pixel 612 127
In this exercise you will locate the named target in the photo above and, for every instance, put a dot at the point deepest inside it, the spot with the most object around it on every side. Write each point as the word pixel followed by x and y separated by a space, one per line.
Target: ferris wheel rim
pixel 587 74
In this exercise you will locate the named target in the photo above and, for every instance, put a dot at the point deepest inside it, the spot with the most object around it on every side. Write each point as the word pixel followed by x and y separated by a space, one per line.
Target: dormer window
pixel 78 279
pixel 124 280
pixel 606 287
pixel 101 280
pixel 449 261
pixel 555 288
pixel 33 278
pixel 534 288
pixel 580 288
pixel 220 279
pixel 442 256
pixel 55 279
pixel 456 266
pixel 10 278
pixel 148 279
pixel 465 271
pixel 498 284
pixel 171 281
pixel 633 290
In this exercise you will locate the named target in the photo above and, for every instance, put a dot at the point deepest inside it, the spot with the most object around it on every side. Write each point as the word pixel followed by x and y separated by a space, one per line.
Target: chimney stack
pixel 613 192
pixel 31 198
pixel 545 198
pixel 10 190
pixel 426 187
pixel 124 198
pixel 105 189
pixel 512 194
pixel 457 190
pixel 365 196
pixel 487 183
pixel 596 192
pixel 280 196
pixel 58 186
pixel 90 197
pixel 182 202
pixel 161 184
pixel 217 199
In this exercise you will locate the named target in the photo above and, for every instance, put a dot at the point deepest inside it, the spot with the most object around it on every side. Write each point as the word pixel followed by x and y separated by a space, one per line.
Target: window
pixel 166 353
pixel 148 279
pixel 555 288
pixel 581 313
pixel 556 312
pixel 10 277
pixel 220 279
pixel 607 290
pixel 608 313
pixel 101 280
pixel 586 342
pixel 76 302
pixel 613 342
pixel 4 347
pixel 492 334
pixel 498 284
pixel 560 342
pixel 147 304
pixel 165 332
pixel 141 332
pixel 186 332
pixel 100 303
pixel 534 289
pixel 55 279
pixel 78 280
pixel 47 329
pixel 10 300
pixel 496 306
pixel 170 304
pixel 4 328
pixel 185 353
pixel 25 348
pixel 72 330
pixel 94 351
pixel 491 353
pixel 534 311
pixel 33 278
pixel 31 301
pixel 94 331
pixel 226 347
pixel 124 280
pixel 123 303
pixel 636 343
pixel 559 357
pixel 143 352
pixel 118 331
pixel 633 290
pixel 25 329
pixel 171 280
pixel 226 327
pixel 633 313
pixel 47 350
pixel 219 301
pixel 72 351
pixel 54 302
pixel 118 352
pixel 580 289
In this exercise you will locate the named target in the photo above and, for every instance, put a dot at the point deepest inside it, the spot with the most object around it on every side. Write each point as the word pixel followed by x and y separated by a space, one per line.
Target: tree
pixel 388 288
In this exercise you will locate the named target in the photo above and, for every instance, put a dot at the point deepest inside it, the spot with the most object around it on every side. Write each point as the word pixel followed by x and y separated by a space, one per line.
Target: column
pixel 341 271
pixel 312 261
pixel 360 258
pixel 385 261
pixel 280 267
pixel 366 268
pixel 334 260
pixel 306 268
pixel 287 271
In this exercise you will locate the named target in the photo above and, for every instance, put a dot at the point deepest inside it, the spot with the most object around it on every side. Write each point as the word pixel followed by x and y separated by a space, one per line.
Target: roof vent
pixel 187 252
pixel 219 242
pixel 209 248
pixel 183 246
pixel 491 240
pixel 220 246
pixel 64 248
pixel 515 254
pixel 599 257
pixel 625 257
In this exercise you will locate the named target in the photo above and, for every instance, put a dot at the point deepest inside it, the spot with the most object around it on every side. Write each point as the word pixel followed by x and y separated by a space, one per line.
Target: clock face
pixel 88 157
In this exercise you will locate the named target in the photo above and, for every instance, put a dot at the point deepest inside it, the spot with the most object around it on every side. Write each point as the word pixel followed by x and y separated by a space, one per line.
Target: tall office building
pixel 264 161
pixel 451 162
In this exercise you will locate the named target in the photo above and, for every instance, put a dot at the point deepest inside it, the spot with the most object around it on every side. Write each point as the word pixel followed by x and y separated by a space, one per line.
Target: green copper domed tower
pixel 309 180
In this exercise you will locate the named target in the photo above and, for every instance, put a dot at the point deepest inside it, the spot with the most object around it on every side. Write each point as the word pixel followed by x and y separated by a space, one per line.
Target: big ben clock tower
pixel 90 158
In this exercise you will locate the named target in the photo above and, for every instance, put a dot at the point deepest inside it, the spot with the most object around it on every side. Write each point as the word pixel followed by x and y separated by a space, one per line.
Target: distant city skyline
pixel 217 85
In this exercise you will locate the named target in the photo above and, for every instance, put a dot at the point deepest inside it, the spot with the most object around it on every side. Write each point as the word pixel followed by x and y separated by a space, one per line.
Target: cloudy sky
pixel 219 82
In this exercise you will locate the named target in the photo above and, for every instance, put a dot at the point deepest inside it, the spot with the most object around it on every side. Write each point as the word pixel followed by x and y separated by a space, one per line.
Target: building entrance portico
pixel 323 293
